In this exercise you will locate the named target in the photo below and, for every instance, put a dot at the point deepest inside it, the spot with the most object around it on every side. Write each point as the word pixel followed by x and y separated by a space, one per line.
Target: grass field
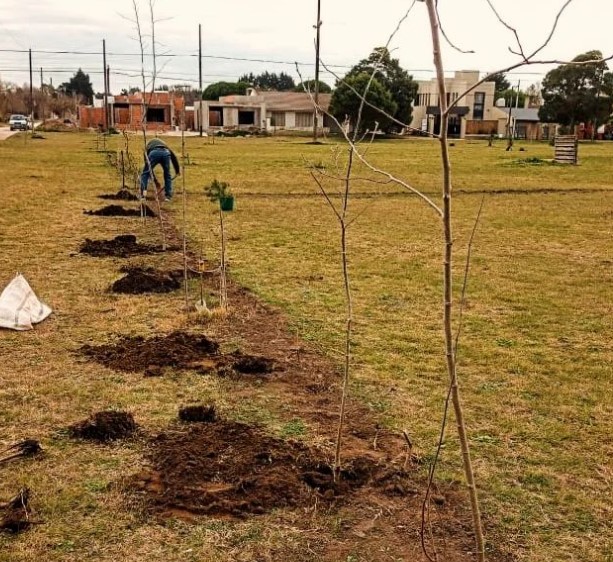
pixel 535 359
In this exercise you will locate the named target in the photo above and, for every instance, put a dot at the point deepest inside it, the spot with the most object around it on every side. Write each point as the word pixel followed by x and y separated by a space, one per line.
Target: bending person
pixel 159 153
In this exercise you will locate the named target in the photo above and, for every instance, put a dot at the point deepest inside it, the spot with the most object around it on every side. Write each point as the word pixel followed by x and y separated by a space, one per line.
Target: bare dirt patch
pixel 119 211
pixel 122 246
pixel 122 195
pixel 233 469
pixel 105 426
pixel 177 349
pixel 140 280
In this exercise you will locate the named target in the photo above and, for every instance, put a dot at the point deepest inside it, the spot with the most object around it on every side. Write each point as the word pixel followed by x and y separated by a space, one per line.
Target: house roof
pixel 523 113
pixel 279 101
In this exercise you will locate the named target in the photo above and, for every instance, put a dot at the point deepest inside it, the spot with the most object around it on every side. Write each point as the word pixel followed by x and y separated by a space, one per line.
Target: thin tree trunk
pixel 348 321
pixel 448 286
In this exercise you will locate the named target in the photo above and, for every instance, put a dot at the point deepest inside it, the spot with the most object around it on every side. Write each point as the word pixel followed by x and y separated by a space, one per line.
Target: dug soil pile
pixel 122 246
pixel 104 426
pixel 180 350
pixel 119 211
pixel 232 469
pixel 122 195
pixel 140 280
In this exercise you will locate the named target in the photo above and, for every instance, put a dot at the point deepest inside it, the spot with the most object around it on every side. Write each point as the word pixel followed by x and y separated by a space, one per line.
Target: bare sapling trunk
pixel 348 319
pixel 144 116
pixel 223 289
pixel 448 285
pixel 184 200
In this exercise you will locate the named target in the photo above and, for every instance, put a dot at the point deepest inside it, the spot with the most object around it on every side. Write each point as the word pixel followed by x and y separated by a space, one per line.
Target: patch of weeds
pixel 485 438
pixel 293 428
pixel 65 546
pixel 504 342
pixel 535 481
pixel 96 486
pixel 490 386
pixel 530 161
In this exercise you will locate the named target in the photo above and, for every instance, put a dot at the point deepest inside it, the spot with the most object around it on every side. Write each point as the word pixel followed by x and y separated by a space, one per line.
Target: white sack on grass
pixel 19 306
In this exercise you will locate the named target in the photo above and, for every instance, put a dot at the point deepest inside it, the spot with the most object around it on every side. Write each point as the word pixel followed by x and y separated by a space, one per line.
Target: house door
pixel 454 127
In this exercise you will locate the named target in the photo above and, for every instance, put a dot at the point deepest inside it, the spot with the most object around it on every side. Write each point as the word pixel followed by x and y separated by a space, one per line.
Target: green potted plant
pixel 220 191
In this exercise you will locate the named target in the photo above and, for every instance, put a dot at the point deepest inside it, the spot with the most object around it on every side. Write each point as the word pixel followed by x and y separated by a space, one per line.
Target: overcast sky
pixel 282 31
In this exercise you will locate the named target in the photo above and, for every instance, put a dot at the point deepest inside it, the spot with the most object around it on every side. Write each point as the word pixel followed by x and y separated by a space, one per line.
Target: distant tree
pixel 220 89
pixel 575 94
pixel 80 85
pixel 392 78
pixel 309 86
pixel 510 97
pixel 535 97
pixel 502 83
pixel 269 81
pixel 345 103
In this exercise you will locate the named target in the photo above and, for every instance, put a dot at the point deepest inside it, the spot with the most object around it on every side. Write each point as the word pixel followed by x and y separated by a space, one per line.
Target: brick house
pixel 164 112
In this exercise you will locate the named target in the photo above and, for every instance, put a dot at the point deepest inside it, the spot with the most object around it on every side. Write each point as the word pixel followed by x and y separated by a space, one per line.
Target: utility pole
pixel 104 99
pixel 108 87
pixel 42 95
pixel 200 77
pixel 316 111
pixel 31 92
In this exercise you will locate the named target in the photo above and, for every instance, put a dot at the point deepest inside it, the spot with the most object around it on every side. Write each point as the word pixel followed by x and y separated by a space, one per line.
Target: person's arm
pixel 175 163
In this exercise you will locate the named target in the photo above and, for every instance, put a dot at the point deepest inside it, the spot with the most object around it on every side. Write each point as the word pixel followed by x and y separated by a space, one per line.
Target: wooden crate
pixel 566 149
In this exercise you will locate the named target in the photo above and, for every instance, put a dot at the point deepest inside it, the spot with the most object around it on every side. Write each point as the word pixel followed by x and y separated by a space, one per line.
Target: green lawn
pixel 535 359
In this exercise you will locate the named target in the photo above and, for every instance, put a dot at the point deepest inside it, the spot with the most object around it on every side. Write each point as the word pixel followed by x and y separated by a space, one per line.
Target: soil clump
pixel 14 514
pixel 105 426
pixel 122 195
pixel 119 211
pixel 140 280
pixel 198 413
pixel 121 246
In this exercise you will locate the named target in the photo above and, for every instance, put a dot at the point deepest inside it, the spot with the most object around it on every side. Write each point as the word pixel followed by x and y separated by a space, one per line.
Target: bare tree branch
pixel 445 36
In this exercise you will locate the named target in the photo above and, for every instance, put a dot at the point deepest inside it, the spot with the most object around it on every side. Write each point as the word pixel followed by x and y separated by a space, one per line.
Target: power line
pixel 167 55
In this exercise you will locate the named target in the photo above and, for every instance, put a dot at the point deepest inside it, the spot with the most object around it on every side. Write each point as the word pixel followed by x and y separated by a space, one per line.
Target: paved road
pixel 5 133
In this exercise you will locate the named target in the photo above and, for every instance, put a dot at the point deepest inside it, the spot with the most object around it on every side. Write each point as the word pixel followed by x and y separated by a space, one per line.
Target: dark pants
pixel 157 156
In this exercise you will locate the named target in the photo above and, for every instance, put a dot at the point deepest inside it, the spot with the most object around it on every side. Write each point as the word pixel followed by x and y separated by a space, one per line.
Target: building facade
pixel 270 111
pixel 474 114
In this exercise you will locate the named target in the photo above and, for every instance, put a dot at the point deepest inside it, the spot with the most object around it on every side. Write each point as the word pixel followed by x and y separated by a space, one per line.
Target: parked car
pixel 19 122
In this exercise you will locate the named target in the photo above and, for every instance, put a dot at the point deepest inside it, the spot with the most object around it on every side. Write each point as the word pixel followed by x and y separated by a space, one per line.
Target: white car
pixel 19 122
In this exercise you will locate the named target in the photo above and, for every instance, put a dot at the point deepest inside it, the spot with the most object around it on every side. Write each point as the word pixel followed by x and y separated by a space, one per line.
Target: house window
pixel 304 119
pixel 479 106
pixel 155 115
pixel 246 117
pixel 277 119
pixel 215 117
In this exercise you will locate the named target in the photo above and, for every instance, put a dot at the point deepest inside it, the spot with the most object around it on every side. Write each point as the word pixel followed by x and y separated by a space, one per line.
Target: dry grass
pixel 535 359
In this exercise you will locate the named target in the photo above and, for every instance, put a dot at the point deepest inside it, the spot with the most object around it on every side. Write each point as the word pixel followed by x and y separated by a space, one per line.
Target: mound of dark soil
pixel 251 364
pixel 198 413
pixel 104 426
pixel 178 349
pixel 119 211
pixel 121 246
pixel 140 280
pixel 122 195
pixel 14 515
pixel 229 468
